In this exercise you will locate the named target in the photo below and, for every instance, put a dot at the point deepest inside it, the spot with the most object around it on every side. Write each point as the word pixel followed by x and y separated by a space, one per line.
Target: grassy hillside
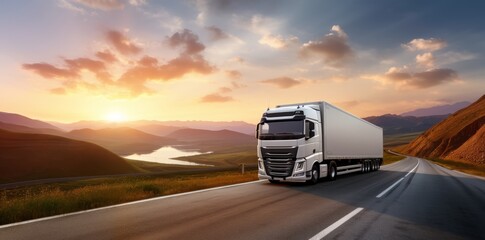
pixel 27 156
pixel 122 140
pixel 459 137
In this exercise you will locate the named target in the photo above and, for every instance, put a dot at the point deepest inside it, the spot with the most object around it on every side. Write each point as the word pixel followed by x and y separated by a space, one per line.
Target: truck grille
pixel 279 162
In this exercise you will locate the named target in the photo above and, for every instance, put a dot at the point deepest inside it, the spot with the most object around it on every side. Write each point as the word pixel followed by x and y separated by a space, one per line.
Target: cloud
pixel 277 41
pixel 404 78
pixel 107 56
pixel 135 74
pixel 420 44
pixel 234 74
pixel 49 71
pixel 426 60
pixel 58 91
pixel 105 5
pixel 68 5
pixel 124 45
pixel 137 2
pixel 188 40
pixel 333 48
pixel 282 82
pixel 215 98
pixel 216 33
pixel 237 59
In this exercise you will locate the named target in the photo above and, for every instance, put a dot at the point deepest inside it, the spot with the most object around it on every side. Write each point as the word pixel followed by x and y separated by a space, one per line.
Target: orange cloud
pixel 402 77
pixel 188 40
pixel 282 82
pixel 216 97
pixel 333 48
pixel 49 71
pixel 431 44
pixel 426 60
pixel 107 56
pixel 132 82
pixel 124 45
pixel 234 74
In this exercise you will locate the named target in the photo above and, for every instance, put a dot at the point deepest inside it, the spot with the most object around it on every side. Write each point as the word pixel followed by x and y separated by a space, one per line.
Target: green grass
pixel 461 166
pixel 52 199
pixel 400 139
pixel 391 158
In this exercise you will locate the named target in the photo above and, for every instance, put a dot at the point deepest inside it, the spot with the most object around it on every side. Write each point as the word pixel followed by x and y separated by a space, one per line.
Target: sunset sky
pixel 224 60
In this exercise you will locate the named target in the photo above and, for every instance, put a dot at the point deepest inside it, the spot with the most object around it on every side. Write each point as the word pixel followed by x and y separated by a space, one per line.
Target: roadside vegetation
pixel 391 158
pixel 461 166
pixel 52 199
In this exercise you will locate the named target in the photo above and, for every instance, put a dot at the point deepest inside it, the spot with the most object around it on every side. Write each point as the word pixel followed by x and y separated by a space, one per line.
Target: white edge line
pixel 336 224
pixel 126 204
pixel 397 182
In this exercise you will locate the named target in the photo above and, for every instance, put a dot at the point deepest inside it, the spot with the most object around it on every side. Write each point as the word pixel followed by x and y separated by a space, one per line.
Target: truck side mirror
pixel 257 130
pixel 309 130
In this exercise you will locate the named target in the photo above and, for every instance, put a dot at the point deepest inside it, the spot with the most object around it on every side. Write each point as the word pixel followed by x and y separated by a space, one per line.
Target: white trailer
pixel 307 141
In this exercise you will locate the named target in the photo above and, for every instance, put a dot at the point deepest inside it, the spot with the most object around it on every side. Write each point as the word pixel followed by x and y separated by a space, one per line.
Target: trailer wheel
pixel 315 174
pixel 273 181
pixel 373 165
pixel 332 171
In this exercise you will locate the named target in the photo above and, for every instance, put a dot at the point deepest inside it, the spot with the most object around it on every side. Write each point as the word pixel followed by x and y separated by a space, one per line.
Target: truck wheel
pixel 332 172
pixel 315 174
pixel 373 165
pixel 274 181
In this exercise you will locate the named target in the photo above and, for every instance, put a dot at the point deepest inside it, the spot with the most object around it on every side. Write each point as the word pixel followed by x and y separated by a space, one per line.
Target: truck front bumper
pixel 298 175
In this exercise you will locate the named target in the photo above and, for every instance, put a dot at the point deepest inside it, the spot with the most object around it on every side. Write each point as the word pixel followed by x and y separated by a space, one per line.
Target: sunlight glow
pixel 115 117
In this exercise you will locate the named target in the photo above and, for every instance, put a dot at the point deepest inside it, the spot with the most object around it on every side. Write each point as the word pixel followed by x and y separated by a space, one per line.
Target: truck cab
pixel 289 144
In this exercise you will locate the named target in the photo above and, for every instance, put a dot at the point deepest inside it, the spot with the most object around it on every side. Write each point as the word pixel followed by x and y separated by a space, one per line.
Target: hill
pixel 18 119
pixel 28 156
pixel 122 140
pixel 395 124
pixel 196 135
pixel 24 129
pixel 437 110
pixel 459 137
pixel 161 128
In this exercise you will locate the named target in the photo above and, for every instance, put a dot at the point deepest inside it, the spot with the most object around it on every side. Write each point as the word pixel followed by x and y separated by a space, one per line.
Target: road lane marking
pixel 397 182
pixel 126 204
pixel 336 224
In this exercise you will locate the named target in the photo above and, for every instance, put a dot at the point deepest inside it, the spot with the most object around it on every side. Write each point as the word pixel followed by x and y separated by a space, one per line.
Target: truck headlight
pixel 300 166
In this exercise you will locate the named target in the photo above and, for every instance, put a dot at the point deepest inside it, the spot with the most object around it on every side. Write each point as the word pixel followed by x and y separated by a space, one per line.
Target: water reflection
pixel 166 155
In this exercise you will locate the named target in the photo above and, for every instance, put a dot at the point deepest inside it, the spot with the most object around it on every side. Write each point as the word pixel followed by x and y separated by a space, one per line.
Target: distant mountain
pixel 122 140
pixel 161 128
pixel 396 124
pixel 437 110
pixel 460 137
pixel 26 156
pixel 24 129
pixel 18 119
pixel 200 135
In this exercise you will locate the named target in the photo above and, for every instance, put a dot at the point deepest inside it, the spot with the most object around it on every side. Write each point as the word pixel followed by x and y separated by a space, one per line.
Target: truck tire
pixel 274 181
pixel 332 171
pixel 315 174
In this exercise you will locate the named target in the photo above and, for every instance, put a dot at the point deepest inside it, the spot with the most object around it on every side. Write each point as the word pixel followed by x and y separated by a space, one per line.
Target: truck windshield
pixel 279 130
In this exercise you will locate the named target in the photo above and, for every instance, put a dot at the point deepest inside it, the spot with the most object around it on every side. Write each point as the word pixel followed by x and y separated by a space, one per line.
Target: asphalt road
pixel 428 203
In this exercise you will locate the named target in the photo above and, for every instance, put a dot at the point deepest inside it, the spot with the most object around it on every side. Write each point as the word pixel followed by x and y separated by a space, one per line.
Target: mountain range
pixel 437 110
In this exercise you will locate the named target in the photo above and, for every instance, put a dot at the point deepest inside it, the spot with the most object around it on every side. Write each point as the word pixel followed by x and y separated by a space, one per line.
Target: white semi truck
pixel 304 142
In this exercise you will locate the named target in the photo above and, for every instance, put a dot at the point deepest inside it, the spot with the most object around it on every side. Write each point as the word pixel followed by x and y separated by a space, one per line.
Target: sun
pixel 115 117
